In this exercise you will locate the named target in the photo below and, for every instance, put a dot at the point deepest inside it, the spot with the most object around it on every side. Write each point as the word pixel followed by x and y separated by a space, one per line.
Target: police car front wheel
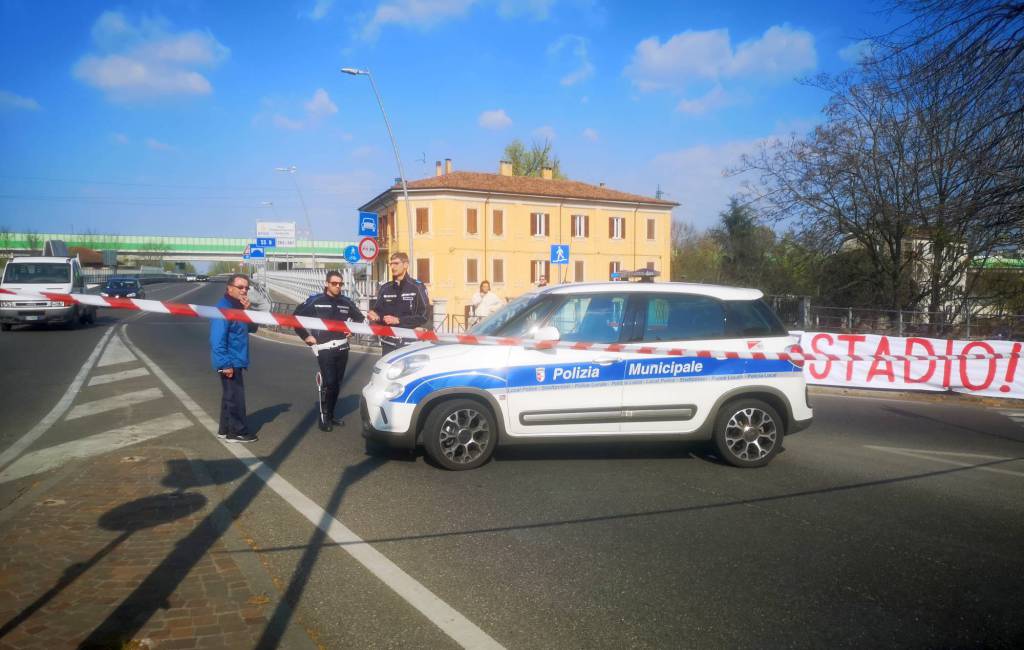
pixel 460 434
pixel 748 433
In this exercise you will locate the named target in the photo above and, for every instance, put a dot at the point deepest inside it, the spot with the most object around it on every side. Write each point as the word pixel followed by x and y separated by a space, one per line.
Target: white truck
pixel 39 275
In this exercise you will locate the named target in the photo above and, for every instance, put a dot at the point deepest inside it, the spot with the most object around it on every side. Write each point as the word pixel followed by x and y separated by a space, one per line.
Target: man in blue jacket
pixel 229 353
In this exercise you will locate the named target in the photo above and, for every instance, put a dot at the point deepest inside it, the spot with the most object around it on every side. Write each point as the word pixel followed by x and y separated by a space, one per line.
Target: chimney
pixel 447 166
pixel 437 168
pixel 505 167
pixel 547 173
pixel 601 184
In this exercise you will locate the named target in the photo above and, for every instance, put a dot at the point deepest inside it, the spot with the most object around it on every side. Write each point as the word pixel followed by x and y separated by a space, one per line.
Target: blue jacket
pixel 229 340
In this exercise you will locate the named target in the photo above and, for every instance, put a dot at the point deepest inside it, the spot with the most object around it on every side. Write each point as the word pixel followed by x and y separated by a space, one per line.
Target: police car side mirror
pixel 548 333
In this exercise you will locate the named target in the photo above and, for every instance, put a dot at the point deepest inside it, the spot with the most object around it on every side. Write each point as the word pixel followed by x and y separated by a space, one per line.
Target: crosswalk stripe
pixel 115 402
pixel 51 457
pixel 99 380
pixel 115 353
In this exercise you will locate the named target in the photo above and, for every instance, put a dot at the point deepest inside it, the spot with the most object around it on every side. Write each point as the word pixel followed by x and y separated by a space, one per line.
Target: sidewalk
pixel 130 550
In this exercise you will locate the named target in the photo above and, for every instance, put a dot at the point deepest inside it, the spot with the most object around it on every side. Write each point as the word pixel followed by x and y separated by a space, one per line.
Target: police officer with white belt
pixel 402 302
pixel 330 348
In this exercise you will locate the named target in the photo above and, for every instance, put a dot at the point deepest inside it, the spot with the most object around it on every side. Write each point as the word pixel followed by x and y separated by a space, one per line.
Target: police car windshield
pixel 494 324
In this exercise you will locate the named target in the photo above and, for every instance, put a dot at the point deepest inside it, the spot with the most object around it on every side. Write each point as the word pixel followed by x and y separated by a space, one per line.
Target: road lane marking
pixel 1017 415
pixel 99 380
pixel 115 402
pixel 444 616
pixel 58 410
pixel 52 457
pixel 928 454
pixel 116 353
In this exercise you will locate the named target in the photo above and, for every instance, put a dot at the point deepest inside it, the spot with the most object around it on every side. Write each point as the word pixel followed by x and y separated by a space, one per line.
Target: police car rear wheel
pixel 748 433
pixel 460 434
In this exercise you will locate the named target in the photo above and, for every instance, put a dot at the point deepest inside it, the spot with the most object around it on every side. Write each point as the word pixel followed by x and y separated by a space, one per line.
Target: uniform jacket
pixel 322 305
pixel 229 339
pixel 406 299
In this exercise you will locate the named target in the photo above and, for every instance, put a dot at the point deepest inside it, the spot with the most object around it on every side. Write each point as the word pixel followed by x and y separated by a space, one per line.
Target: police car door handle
pixel 606 361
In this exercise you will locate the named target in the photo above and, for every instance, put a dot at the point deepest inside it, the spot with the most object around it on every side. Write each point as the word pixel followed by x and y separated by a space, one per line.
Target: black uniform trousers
pixel 232 404
pixel 332 371
pixel 390 344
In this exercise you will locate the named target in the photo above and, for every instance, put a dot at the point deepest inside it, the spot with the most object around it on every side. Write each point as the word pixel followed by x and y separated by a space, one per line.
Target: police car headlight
pixel 393 390
pixel 407 366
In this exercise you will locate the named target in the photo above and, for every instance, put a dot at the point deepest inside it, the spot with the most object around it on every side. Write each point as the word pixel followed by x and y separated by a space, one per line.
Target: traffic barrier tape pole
pixel 795 355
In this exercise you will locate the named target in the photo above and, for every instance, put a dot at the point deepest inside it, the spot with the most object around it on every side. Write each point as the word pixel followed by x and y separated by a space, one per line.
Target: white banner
pixel 283 231
pixel 990 377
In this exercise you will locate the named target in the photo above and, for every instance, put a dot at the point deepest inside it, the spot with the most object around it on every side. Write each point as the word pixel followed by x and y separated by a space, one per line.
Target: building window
pixel 498 222
pixel 580 226
pixel 539 269
pixel 613 268
pixel 498 271
pixel 423 270
pixel 650 266
pixel 577 273
pixel 616 227
pixel 472 270
pixel 471 221
pixel 539 222
pixel 422 221
pixel 650 229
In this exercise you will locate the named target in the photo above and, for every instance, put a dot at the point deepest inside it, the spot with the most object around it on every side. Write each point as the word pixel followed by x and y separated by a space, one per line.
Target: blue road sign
pixel 352 254
pixel 559 253
pixel 256 252
pixel 367 224
pixel 266 242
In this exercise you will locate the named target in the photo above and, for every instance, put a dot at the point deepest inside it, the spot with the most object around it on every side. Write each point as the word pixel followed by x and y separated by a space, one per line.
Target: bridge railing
pixel 144 276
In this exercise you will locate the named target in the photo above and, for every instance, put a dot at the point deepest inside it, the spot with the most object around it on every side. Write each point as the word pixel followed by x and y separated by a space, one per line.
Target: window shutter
pixel 423 270
pixel 650 265
pixel 497 219
pixel 471 275
pixel 422 220
pixel 611 227
pixel 650 229
pixel 499 271
pixel 578 271
pixel 547 224
pixel 533 223
pixel 623 232
pixel 533 272
pixel 547 270
pixel 586 225
pixel 471 221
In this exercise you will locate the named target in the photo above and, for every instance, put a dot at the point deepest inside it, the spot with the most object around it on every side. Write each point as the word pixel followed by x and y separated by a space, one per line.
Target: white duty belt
pixel 330 345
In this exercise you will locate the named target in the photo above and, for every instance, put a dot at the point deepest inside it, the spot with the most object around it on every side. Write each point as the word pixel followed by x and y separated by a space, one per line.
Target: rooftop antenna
pixel 659 193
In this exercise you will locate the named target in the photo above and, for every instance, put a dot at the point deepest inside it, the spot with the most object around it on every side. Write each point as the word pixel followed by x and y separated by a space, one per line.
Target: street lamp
pixel 291 172
pixel 394 145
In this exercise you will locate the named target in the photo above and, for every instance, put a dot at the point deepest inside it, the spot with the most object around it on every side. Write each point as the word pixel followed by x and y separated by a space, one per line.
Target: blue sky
pixel 169 118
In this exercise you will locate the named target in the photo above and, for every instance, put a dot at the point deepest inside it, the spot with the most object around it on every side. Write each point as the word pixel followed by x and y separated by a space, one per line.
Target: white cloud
pixel 709 55
pixel 590 134
pixel 496 119
pixel 282 122
pixel 419 14
pixel 578 46
pixel 156 145
pixel 10 100
pixel 320 9
pixel 147 60
pixel 321 105
pixel 545 132
pixel 121 138
pixel 856 52
pixel 714 98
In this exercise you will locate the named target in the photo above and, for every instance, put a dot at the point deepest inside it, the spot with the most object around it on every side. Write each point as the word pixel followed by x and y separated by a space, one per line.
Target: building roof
pixel 524 185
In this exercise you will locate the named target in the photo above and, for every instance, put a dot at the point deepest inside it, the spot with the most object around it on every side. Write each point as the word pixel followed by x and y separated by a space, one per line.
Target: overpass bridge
pixel 174 249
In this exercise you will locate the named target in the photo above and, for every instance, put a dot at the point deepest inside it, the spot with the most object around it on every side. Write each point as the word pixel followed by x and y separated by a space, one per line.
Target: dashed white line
pixel 444 616
pixel 115 402
pixel 99 380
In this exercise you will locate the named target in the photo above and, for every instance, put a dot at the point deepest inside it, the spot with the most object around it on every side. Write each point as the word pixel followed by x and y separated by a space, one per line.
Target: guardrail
pixel 99 276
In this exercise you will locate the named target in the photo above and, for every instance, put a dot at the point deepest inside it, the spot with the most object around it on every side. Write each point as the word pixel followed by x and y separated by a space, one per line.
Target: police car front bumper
pixel 386 422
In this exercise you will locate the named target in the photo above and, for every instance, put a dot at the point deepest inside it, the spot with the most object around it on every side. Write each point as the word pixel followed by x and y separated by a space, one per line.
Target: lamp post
pixel 398 157
pixel 290 170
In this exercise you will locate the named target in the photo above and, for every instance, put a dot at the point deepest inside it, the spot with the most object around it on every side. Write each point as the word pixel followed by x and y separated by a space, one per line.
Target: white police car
pixel 460 401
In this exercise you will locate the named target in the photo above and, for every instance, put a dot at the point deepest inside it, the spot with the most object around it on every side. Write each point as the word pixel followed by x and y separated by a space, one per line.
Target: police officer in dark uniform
pixel 330 348
pixel 402 302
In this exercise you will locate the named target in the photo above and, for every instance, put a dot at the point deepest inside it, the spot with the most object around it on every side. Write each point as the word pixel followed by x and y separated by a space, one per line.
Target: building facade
pixel 472 226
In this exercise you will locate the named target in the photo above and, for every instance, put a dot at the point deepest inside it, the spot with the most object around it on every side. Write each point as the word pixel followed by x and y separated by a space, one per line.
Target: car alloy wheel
pixel 460 434
pixel 748 433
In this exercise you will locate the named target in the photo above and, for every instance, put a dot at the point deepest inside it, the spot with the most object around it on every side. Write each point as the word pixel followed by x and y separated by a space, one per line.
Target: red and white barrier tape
pixel 795 356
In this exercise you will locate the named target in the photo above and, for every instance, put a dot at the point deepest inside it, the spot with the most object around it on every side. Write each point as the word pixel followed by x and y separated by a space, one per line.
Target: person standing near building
pixel 485 302
pixel 229 354
pixel 542 281
pixel 402 302
pixel 330 348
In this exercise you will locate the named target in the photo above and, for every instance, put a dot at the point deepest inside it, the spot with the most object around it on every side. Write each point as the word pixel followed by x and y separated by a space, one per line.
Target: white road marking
pixel 99 380
pixel 444 616
pixel 1017 415
pixel 929 454
pixel 58 410
pixel 115 402
pixel 116 353
pixel 51 457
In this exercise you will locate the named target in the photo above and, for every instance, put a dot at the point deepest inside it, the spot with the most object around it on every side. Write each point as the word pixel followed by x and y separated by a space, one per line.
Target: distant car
pixel 123 288
pixel 190 278
pixel 37 275
pixel 202 278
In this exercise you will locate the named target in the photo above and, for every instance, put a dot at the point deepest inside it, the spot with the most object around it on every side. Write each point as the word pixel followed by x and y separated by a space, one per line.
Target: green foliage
pixel 530 162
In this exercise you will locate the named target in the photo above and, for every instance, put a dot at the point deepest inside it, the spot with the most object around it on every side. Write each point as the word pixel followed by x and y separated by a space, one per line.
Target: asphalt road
pixel 888 523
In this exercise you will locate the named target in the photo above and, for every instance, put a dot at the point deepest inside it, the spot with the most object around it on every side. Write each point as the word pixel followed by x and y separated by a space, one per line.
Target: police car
pixel 461 401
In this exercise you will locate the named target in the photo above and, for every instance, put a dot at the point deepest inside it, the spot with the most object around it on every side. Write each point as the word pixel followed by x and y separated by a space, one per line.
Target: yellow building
pixel 472 226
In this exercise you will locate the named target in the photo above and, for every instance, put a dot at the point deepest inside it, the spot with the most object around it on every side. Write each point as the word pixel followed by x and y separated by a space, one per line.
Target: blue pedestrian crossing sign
pixel 559 253
pixel 367 224
pixel 352 254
